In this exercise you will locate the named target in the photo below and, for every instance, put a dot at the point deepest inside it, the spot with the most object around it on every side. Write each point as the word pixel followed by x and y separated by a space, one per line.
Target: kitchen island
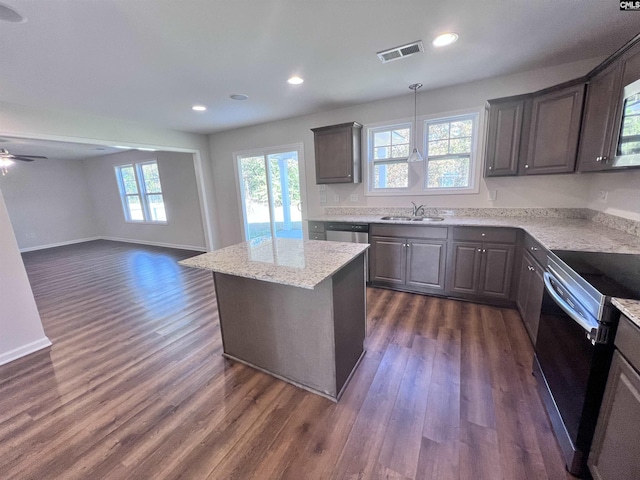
pixel 293 308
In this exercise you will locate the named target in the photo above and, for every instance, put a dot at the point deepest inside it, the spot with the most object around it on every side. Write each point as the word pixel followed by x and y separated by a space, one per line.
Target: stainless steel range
pixel 574 345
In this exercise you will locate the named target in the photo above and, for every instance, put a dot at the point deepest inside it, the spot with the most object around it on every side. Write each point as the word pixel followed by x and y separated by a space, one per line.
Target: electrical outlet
pixel 493 194
pixel 353 197
pixel 603 196
pixel 336 198
pixel 322 188
pixel 323 199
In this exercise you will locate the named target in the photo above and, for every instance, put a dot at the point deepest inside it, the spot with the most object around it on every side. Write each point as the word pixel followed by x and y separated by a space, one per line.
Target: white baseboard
pixel 115 239
pixel 59 244
pixel 155 244
pixel 19 352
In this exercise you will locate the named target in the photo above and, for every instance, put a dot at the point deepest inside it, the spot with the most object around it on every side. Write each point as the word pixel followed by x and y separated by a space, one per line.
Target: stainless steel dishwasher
pixel 352 233
pixel 347 232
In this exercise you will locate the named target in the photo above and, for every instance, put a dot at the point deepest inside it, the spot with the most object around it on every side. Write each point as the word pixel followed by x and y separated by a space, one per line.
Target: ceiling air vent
pixel 401 51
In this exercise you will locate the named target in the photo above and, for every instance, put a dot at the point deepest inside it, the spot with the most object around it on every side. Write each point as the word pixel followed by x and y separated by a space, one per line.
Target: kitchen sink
pixel 413 219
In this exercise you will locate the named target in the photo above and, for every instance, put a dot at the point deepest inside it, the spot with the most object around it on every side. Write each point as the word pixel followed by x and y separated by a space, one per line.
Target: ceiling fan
pixel 7 159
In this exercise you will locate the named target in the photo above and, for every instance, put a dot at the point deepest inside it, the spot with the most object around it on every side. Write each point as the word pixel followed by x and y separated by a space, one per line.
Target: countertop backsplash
pixel 611 221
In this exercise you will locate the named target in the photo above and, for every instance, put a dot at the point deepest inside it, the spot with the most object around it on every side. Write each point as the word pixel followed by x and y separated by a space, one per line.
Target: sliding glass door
pixel 270 194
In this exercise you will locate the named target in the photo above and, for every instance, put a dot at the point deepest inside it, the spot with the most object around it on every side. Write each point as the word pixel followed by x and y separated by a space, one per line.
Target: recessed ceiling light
pixel 122 147
pixel 198 108
pixel 146 149
pixel 445 39
pixel 8 14
pixel 238 96
pixel 295 80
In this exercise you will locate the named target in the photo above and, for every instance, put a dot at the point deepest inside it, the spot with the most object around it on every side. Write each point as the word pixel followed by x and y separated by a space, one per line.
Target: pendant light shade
pixel 415 154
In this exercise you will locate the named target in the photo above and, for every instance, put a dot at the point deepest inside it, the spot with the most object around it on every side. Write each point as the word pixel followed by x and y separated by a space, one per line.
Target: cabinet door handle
pixel 479 249
pixel 483 234
pixel 526 166
pixel 598 159
pixel 490 167
pixel 534 249
pixel 484 250
pixel 604 159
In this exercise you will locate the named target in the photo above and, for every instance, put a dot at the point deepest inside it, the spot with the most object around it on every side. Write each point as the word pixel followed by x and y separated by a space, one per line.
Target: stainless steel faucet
pixel 418 210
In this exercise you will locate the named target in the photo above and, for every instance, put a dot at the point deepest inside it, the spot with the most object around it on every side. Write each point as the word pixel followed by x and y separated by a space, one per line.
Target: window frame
pixel 141 193
pixel 474 186
pixel 370 131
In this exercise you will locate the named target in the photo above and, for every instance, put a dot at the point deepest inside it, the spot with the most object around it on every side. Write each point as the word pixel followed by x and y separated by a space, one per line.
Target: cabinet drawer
pixel 317 236
pixel 409 231
pixel 317 227
pixel 628 341
pixel 482 234
pixel 536 250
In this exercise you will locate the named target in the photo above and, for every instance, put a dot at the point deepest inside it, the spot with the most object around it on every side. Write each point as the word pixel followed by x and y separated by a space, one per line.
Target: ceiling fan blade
pixel 22 158
pixel 30 156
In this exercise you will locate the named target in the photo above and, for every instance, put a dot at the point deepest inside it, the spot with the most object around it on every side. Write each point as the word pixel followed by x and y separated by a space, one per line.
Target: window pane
pixel 156 208
pixel 135 208
pixel 395 175
pixel 448 173
pixel 400 136
pixel 460 145
pixel 440 147
pixel 381 139
pixel 129 180
pixel 151 178
pixel 461 128
pixel 399 151
pixel 381 152
pixel 438 131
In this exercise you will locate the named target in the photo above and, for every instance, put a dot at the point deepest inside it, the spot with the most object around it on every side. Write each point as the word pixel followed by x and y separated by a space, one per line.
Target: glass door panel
pixel 271 201
pixel 285 185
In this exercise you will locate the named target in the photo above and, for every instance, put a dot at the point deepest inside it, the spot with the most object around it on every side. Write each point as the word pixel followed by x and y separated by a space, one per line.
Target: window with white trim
pixel 141 192
pixel 449 159
pixel 389 148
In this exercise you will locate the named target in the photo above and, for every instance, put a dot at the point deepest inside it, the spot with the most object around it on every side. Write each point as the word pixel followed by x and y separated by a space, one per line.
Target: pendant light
pixel 415 154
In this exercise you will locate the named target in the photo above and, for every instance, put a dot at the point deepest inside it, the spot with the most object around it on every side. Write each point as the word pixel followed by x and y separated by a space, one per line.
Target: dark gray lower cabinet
pixel 410 264
pixel 481 269
pixel 614 452
pixel 530 293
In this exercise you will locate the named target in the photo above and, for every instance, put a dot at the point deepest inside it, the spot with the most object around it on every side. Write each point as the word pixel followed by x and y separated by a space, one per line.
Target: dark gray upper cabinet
pixel 338 152
pixel 597 145
pixel 503 137
pixel 554 131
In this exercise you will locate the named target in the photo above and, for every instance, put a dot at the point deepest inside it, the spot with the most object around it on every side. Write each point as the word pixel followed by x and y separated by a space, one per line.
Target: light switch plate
pixel 322 188
pixel 323 199
pixel 493 195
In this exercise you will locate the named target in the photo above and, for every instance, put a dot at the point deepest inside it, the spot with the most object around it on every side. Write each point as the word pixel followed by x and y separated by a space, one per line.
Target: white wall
pixel 48 202
pixel 623 189
pixel 21 330
pixel 184 227
pixel 540 191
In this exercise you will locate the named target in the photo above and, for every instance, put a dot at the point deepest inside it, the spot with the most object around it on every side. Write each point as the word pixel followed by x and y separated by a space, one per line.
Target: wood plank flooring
pixel 135 387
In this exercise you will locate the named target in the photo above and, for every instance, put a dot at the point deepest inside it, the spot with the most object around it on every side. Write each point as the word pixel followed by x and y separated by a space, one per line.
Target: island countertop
pixel 287 261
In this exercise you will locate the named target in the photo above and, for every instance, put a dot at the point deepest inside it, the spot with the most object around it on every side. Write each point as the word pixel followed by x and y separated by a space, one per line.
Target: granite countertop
pixel 631 308
pixel 553 233
pixel 287 261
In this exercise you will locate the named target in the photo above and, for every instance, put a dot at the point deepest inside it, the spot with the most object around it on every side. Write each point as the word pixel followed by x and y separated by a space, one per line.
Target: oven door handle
pixel 589 327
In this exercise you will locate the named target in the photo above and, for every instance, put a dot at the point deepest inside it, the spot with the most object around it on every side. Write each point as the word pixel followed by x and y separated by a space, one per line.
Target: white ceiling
pixel 150 60
pixel 55 150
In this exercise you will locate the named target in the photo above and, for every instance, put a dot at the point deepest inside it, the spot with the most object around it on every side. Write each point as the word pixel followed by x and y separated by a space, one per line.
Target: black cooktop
pixel 612 274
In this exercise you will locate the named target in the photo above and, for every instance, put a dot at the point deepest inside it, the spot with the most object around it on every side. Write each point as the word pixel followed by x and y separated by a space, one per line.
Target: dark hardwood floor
pixel 134 386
